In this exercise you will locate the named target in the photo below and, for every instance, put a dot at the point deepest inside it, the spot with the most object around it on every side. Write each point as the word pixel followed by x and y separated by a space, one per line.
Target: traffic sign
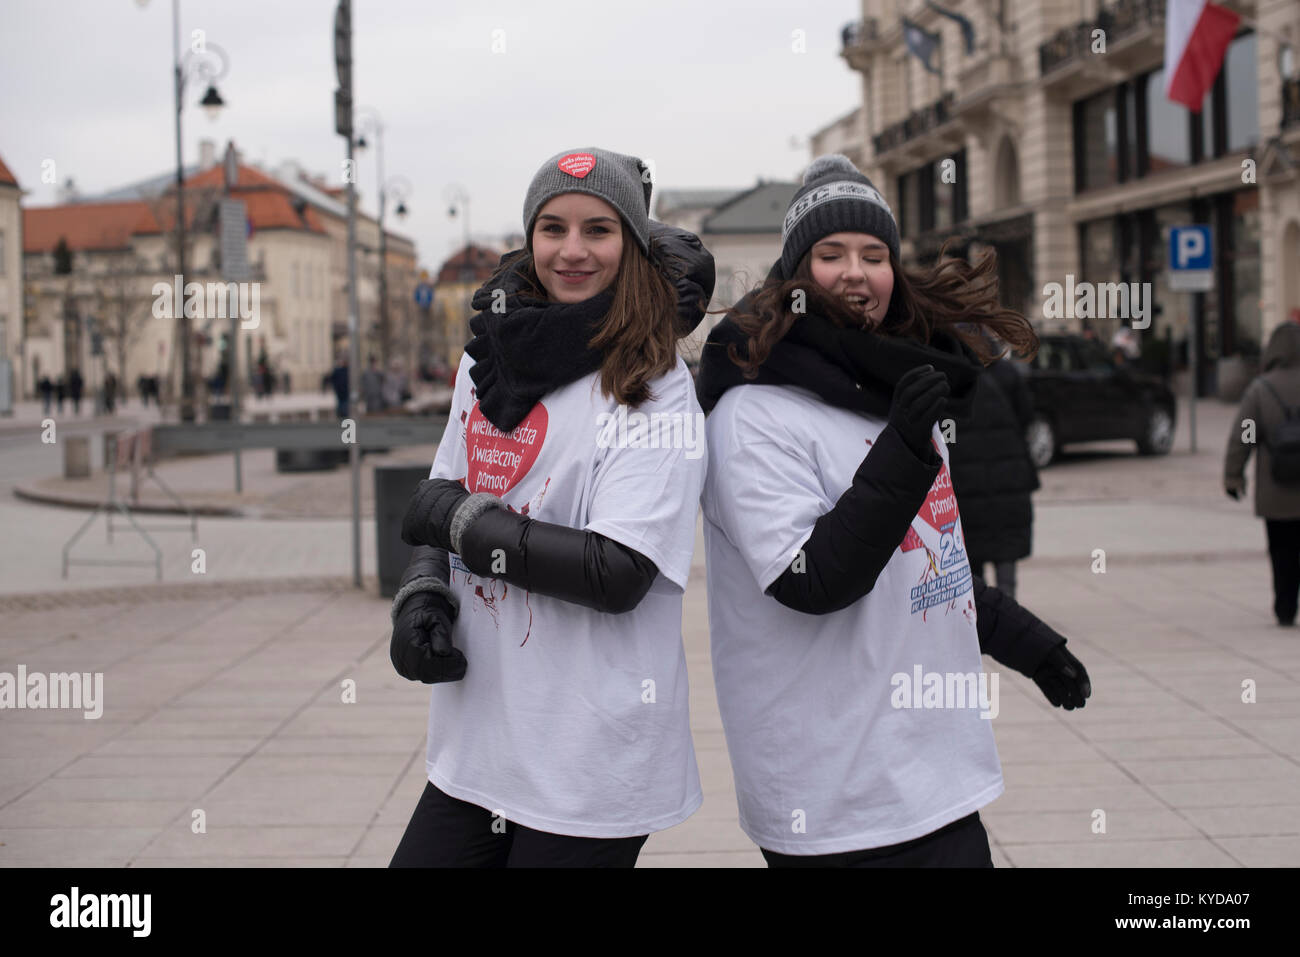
pixel 1191 259
pixel 343 68
pixel 424 295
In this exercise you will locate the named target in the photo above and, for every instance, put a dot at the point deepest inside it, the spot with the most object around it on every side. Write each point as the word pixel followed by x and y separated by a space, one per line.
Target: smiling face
pixel 855 268
pixel 577 245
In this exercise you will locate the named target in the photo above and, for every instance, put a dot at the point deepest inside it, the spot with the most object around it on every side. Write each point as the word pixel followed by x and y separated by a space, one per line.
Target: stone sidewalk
pixel 230 701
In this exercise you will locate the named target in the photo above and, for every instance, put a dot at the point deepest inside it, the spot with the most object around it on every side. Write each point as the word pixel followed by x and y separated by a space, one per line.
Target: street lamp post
pixel 370 122
pixel 457 198
pixel 195 63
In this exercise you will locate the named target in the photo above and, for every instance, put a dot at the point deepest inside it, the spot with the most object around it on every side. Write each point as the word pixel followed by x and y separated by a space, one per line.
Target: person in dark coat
pixel 60 391
pixel 339 380
pixel 75 386
pixel 993 476
pixel 46 388
pixel 1277 504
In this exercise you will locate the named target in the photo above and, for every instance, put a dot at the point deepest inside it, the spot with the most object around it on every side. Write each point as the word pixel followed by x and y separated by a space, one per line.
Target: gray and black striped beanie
pixel 834 198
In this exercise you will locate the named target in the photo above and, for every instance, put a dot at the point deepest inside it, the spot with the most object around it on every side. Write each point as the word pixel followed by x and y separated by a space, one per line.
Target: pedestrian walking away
pixel 543 601
pixel 840 595
pixel 1268 421
pixel 372 387
pixel 110 393
pixel 75 386
pixel 338 378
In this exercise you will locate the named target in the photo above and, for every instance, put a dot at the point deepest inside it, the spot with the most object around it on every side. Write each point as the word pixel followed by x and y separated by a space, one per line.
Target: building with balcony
pixel 1051 140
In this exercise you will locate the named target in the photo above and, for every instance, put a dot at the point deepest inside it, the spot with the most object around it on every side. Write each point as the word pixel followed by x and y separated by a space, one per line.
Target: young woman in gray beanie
pixel 554 538
pixel 845 625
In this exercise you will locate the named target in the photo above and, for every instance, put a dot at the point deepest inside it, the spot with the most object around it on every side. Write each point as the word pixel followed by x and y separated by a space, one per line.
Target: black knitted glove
pixel 918 399
pixel 421 648
pixel 1063 680
pixel 440 511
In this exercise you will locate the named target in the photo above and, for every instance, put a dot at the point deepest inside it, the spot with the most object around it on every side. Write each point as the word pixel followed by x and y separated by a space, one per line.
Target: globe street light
pixel 457 199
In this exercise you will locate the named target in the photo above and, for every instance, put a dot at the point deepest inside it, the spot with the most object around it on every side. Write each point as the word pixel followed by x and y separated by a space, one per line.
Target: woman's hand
pixel 918 399
pixel 1063 679
pixel 421 648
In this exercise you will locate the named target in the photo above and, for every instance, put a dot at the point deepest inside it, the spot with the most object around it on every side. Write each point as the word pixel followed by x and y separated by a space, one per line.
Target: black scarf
pixel 530 349
pixel 850 368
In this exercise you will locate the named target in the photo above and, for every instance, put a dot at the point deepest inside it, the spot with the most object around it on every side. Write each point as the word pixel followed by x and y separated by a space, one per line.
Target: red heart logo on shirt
pixel 499 460
pixel 577 164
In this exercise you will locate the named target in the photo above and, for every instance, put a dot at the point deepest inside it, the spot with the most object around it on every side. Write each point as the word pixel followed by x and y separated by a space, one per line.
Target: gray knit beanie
pixel 622 181
pixel 834 198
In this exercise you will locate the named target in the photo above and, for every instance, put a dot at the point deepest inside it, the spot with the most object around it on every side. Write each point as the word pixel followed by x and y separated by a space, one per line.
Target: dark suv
pixel 1081 394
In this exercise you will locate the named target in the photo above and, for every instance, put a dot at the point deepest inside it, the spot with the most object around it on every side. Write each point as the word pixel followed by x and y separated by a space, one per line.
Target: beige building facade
pixel 1052 141
pixel 120 250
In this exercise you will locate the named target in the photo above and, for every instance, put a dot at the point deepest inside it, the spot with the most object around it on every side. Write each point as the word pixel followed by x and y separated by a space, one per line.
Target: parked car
pixel 1081 394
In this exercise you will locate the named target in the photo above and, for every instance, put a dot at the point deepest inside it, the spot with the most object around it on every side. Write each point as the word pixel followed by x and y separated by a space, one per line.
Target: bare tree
pixel 123 311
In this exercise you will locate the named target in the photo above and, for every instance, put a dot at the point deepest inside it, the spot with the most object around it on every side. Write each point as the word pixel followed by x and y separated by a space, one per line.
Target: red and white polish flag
pixel 1197 34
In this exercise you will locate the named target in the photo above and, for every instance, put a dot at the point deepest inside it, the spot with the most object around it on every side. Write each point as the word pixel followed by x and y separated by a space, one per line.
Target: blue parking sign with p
pixel 1190 248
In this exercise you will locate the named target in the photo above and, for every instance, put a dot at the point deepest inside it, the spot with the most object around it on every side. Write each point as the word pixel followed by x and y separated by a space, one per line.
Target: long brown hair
pixel 638 335
pixel 949 294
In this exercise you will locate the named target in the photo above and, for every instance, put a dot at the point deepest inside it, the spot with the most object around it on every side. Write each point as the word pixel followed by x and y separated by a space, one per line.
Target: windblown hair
pixel 639 334
pixel 952 295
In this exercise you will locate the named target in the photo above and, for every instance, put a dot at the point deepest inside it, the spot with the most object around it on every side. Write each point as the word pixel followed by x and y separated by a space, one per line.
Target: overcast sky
pixel 711 91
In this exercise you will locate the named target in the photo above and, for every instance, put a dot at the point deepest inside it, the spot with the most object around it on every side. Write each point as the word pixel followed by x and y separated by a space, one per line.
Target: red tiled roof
pixel 248 178
pixel 270 203
pixel 6 177
pixel 481 260
pixel 86 225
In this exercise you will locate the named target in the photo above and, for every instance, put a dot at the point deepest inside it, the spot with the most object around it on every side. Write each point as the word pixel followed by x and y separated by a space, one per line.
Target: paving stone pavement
pixel 226 696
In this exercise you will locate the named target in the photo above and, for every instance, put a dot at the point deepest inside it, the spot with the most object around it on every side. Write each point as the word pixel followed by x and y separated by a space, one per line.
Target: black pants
pixel 963 843
pixel 1006 572
pixel 447 832
pixel 1284 550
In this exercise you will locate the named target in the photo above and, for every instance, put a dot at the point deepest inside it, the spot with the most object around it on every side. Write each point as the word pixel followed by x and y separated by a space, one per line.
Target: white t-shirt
pixel 824 761
pixel 569 720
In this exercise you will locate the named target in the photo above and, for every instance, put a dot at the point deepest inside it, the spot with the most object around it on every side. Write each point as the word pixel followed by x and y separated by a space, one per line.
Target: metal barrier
pixel 218 437
pixel 376 433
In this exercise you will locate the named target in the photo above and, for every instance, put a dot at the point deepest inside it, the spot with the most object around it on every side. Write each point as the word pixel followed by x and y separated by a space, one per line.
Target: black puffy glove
pixel 421 648
pixel 918 399
pixel 1063 680
pixel 430 512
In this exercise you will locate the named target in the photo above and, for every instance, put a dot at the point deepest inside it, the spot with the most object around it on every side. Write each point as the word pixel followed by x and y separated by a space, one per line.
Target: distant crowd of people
pixel 381 390
pixel 72 387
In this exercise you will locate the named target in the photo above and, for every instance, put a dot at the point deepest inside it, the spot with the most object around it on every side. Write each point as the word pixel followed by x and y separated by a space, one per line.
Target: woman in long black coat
pixel 993 476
